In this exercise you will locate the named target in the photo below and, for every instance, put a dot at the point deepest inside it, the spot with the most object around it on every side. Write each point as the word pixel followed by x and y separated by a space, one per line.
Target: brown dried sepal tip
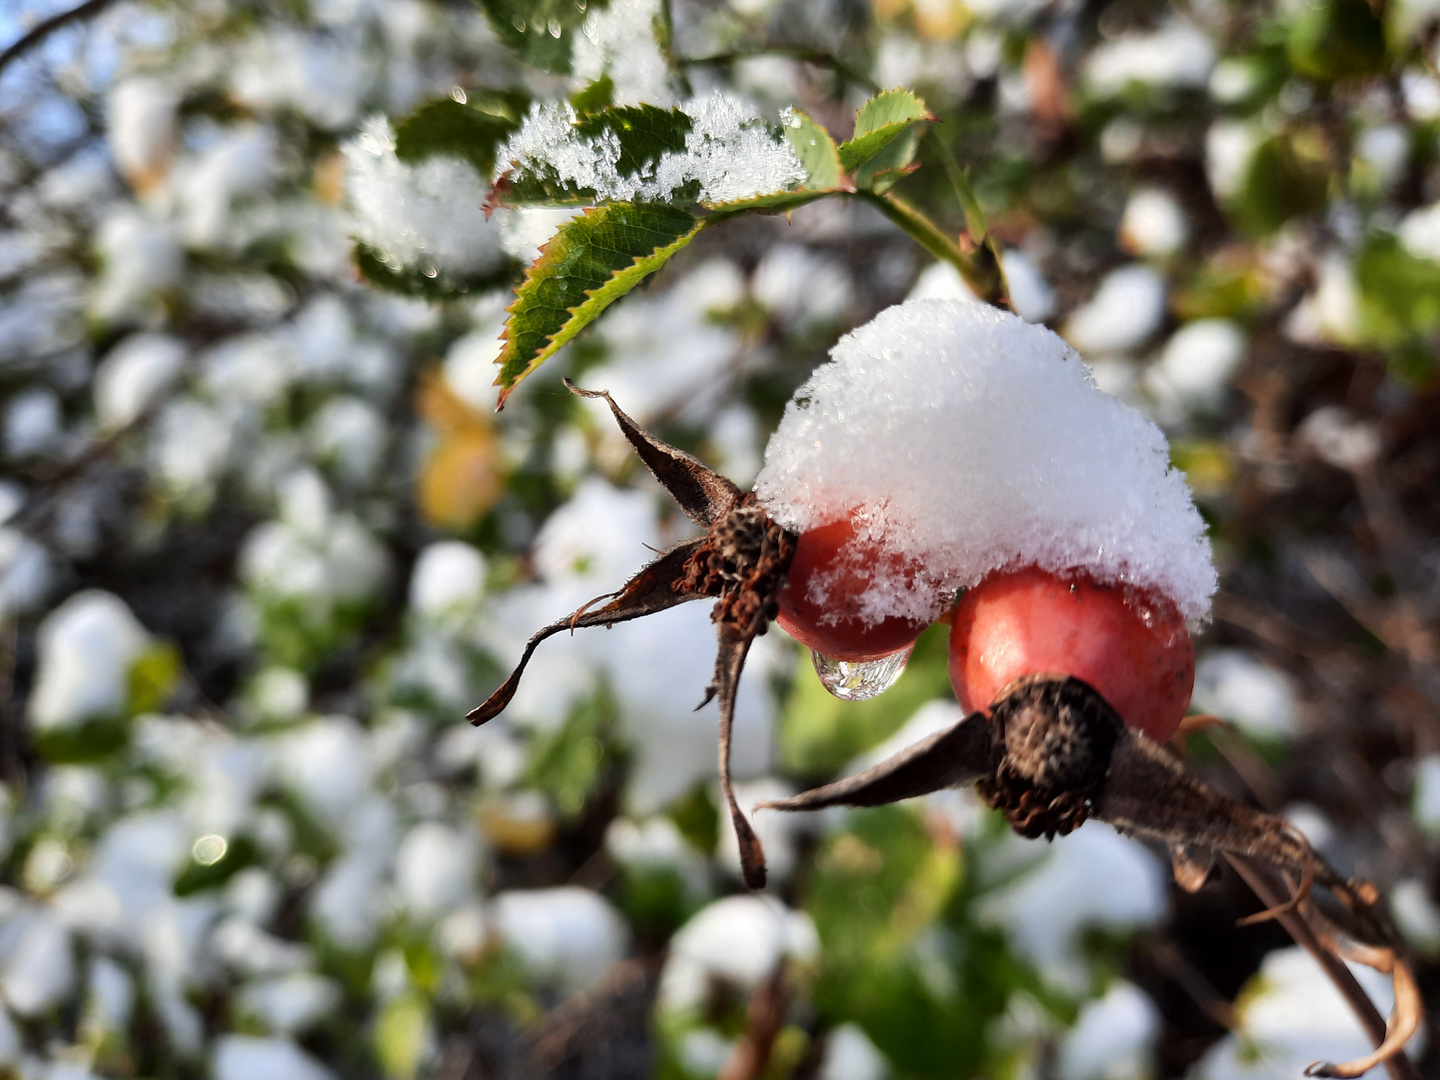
pixel 1049 753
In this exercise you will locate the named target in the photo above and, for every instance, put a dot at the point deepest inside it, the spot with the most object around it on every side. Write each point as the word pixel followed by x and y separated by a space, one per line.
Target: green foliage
pixel 196 876
pixel 91 740
pixel 819 733
pixel 154 676
pixel 540 31
pixel 1399 293
pixel 567 764
pixel 448 127
pixel 901 954
pixel 400 1035
pixel 815 149
pixel 589 264
pixel 1280 184
pixel 597 96
pixel 1338 39
pixel 428 283
pixel 881 120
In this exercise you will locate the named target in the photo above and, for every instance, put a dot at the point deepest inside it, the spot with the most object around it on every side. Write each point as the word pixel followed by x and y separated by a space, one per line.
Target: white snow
pixel 133 375
pixel 245 1057
pixel 730 150
pixel 1113 1038
pixel 38 969
pixel 1153 224
pixel 436 868
pixel 141 257
pixel 1093 878
pixel 1420 232
pixel 966 440
pixel 1254 696
pixel 25 572
pixel 1416 916
pixel 33 424
pixel 290 1003
pixel 1124 312
pixel 1194 369
pixel 1179 54
pixel 850 1055
pixel 449 577
pixel 618 40
pixel 1385 148
pixel 568 935
pixel 740 939
pixel 141 129
pixel 86 648
pixel 800 287
pixel 1229 146
pixel 1425 800
pixel 428 215
pixel 1340 438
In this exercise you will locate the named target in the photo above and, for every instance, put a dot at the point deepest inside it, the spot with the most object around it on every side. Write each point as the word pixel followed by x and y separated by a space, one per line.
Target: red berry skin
pixel 848 638
pixel 1131 646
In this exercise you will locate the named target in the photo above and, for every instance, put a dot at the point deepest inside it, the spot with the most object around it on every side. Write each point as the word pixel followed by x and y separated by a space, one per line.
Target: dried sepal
pixel 650 591
pixel 702 493
pixel 740 562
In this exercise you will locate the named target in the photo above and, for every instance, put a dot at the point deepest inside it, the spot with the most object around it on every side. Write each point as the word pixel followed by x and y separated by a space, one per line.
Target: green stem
pixel 980 273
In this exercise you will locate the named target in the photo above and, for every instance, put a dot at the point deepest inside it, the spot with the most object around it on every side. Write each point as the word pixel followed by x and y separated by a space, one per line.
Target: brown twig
pixel 43 29
pixel 1258 877
pixel 763 1020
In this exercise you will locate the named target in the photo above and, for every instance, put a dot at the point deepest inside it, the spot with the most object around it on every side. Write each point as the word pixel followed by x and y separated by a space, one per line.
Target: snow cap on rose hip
pixel 964 440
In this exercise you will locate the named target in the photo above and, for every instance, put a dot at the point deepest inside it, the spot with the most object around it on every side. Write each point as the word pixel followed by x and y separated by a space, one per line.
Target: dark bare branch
pixel 37 34
pixel 729 662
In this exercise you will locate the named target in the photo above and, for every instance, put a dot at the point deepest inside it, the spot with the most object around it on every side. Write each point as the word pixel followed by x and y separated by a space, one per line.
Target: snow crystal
pixel 133 375
pixel 567 935
pixel 729 150
pixel 1126 309
pixel 1113 1038
pixel 1178 54
pixel 1257 698
pixel 1153 223
pixel 619 41
pixel 86 648
pixel 966 440
pixel 427 215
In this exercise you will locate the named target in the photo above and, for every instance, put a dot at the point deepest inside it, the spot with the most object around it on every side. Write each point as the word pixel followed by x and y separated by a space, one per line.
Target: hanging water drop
pixel 860 680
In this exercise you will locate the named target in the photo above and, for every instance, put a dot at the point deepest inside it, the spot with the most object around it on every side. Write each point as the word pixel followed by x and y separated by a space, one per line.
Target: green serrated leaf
pixel 589 264
pixel 415 281
pixel 540 31
pixel 445 126
pixel 894 162
pixel 600 94
pixel 815 149
pixel 879 122
pixel 644 134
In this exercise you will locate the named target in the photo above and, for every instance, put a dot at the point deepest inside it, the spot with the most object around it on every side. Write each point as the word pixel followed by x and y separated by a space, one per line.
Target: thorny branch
pixel 1049 753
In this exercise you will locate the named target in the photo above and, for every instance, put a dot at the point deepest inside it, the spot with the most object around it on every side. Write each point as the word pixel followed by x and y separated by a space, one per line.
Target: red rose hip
pixel 835 627
pixel 1131 646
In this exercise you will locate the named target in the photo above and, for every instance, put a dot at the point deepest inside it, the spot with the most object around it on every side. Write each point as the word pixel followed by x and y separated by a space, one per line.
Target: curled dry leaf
pixel 1049 752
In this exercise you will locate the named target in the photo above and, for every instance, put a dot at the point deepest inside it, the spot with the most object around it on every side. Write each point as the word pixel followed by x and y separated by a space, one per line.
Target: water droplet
pixel 554 27
pixel 519 23
pixel 458 94
pixel 860 680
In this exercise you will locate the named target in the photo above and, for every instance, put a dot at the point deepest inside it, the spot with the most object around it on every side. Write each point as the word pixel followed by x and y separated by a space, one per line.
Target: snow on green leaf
pixel 589 264
pixel 452 128
pixel 815 149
